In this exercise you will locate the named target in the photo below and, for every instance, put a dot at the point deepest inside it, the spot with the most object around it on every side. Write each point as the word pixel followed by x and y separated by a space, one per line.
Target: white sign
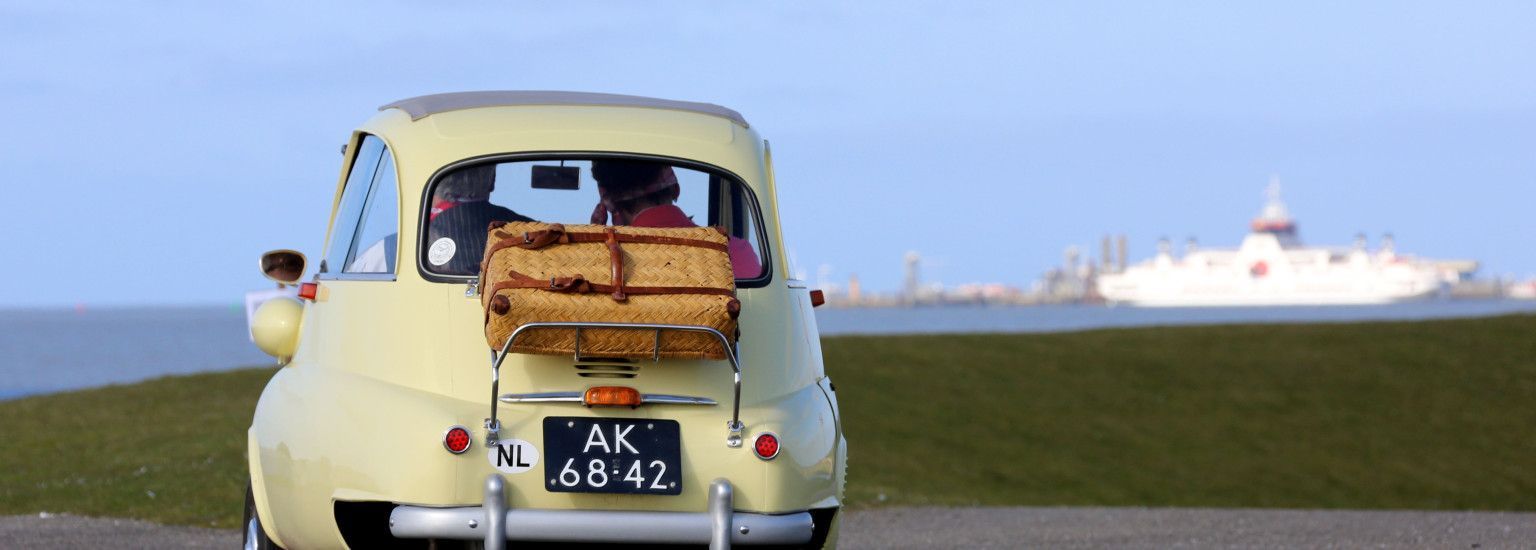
pixel 513 456
pixel 441 251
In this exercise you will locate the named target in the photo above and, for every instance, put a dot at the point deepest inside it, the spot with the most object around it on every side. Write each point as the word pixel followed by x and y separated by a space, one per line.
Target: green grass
pixel 1428 415
pixel 170 450
pixel 1425 415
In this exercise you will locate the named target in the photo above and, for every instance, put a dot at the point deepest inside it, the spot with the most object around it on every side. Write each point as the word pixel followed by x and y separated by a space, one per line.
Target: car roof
pixel 423 106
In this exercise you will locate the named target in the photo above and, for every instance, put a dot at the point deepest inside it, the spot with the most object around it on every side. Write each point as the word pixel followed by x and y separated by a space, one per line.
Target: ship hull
pixel 1273 268
pixel 1251 300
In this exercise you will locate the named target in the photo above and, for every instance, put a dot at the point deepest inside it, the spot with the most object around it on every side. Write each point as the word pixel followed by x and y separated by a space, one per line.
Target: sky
pixel 150 152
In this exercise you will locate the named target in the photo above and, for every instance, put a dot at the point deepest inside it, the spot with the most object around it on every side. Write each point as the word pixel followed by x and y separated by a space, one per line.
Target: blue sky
pixel 151 151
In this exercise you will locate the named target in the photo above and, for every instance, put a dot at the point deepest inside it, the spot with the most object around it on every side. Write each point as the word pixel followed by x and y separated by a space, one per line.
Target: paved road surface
pixel 65 531
pixel 973 528
pixel 1183 528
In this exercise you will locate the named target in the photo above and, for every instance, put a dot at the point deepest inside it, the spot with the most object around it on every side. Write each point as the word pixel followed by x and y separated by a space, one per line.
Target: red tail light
pixel 818 297
pixel 456 440
pixel 766 446
pixel 308 291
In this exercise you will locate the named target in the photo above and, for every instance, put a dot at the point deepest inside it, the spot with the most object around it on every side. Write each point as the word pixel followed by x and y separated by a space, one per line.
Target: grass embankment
pixel 170 450
pixel 1429 415
pixel 1432 415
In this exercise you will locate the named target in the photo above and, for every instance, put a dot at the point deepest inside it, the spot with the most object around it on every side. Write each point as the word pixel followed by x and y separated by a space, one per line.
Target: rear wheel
pixel 255 535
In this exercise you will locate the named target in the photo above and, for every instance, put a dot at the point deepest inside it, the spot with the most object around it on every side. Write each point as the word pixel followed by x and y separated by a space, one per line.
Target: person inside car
pixel 642 194
pixel 461 211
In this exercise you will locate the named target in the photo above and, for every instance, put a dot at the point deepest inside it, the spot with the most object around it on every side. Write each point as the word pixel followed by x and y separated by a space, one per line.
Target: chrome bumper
pixel 720 527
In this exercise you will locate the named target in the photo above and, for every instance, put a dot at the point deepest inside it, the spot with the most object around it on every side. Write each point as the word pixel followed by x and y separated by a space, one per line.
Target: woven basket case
pixel 681 269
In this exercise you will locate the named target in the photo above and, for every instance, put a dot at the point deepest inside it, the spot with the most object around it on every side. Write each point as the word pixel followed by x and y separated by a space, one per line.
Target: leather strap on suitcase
pixel 534 272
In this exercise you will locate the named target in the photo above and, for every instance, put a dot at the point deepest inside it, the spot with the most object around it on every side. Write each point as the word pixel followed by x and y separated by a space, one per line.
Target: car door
pixel 365 310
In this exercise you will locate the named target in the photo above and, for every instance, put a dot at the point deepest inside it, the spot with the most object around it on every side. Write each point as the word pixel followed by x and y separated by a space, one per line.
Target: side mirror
pixel 283 266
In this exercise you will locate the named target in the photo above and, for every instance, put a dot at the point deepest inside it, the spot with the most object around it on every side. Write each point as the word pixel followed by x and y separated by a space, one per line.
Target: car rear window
pixel 462 201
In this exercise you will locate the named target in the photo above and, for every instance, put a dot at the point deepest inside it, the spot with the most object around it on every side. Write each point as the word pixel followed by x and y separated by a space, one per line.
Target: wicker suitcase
pixel 540 272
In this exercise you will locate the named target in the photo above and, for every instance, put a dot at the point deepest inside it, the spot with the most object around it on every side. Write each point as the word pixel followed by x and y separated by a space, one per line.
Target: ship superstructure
pixel 1272 268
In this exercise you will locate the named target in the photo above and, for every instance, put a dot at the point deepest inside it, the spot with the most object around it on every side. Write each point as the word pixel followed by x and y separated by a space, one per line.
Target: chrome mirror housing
pixel 284 266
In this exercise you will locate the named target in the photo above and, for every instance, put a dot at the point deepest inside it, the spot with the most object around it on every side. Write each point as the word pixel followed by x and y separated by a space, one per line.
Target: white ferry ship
pixel 1273 268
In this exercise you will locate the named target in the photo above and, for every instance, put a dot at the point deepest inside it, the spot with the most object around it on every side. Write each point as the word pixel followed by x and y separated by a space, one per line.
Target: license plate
pixel 612 455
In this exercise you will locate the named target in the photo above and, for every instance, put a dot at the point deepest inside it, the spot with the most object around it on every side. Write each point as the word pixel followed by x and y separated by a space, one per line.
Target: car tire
pixel 255 535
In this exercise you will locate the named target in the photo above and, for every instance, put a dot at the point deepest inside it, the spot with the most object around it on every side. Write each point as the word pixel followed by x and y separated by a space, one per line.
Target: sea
pixel 53 350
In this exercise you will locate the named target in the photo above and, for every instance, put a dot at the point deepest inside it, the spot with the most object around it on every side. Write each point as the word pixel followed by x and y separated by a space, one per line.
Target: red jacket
pixel 743 258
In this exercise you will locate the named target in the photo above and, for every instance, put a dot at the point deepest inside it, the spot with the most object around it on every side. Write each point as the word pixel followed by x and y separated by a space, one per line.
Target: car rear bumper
pixel 719 527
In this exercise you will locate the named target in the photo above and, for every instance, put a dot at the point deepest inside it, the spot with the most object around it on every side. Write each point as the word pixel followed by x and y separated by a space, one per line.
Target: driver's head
pixel 628 186
pixel 469 184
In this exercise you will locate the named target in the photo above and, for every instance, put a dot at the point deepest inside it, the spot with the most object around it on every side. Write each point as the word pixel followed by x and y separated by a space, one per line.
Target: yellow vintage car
pixel 391 422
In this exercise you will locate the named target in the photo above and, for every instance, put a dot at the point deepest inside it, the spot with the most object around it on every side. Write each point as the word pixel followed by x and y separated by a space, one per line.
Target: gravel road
pixel 973 528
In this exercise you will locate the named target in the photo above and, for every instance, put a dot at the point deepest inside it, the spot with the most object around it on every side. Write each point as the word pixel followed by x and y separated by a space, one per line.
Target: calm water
pixel 45 351
pixel 51 350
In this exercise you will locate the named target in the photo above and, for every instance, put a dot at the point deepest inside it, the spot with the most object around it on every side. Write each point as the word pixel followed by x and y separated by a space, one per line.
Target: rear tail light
pixel 766 445
pixel 611 396
pixel 456 440
pixel 308 291
pixel 817 298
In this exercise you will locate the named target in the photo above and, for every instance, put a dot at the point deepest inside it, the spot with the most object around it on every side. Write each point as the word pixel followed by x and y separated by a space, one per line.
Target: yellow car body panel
pixel 384 367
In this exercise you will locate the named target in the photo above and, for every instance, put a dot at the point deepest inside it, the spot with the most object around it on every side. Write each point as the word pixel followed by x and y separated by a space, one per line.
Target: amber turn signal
pixel 611 396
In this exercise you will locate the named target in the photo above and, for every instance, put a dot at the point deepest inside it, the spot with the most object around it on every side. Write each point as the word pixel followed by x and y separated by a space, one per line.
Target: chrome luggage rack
pixel 733 428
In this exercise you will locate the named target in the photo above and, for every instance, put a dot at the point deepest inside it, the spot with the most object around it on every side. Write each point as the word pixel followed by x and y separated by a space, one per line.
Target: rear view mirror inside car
pixel 556 177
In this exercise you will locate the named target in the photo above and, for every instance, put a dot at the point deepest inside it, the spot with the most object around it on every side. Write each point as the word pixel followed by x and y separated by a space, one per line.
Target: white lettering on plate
pixel 513 456
pixel 618 439
pixel 441 251
pixel 595 438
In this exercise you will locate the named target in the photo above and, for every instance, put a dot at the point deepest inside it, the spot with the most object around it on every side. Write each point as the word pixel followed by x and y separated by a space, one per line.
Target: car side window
pixel 733 211
pixel 349 211
pixel 378 234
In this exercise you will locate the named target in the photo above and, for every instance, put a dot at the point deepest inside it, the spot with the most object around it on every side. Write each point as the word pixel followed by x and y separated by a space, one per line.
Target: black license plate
pixel 612 455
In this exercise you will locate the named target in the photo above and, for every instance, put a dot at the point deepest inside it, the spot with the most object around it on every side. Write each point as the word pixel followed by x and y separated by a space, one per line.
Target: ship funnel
pixel 1275 218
